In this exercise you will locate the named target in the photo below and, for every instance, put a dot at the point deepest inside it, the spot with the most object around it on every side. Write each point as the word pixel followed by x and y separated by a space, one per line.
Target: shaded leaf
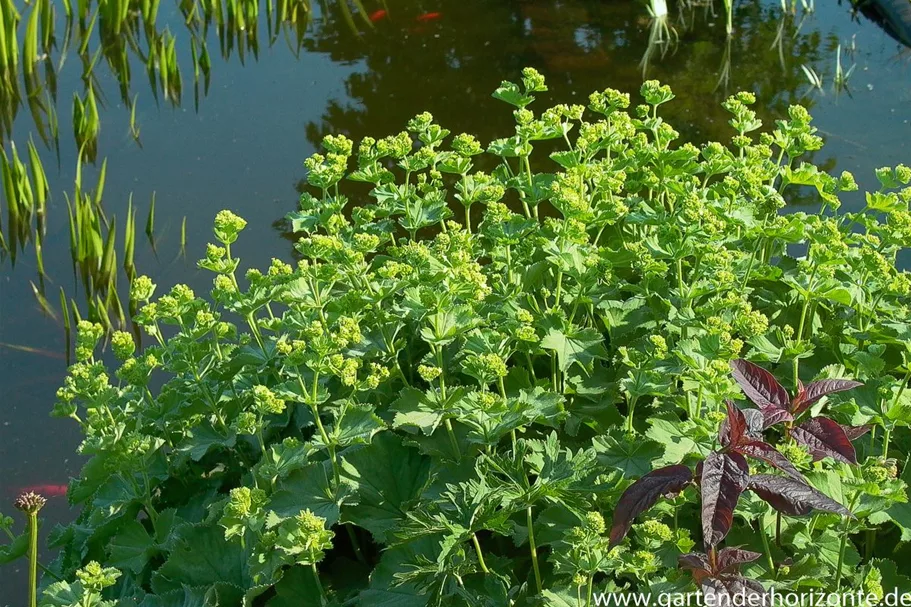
pixel 818 389
pixel 770 455
pixel 825 437
pixel 734 426
pixel 724 477
pixel 793 497
pixel 774 415
pixel 387 477
pixel 576 345
pixel 631 457
pixel 729 558
pixel 759 385
pixel 643 494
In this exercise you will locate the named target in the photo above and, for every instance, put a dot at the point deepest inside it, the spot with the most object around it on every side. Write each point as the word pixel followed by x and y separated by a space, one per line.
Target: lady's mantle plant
pixel 469 364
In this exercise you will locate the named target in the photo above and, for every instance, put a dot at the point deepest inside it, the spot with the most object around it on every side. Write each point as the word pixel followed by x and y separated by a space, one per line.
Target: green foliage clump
pixel 456 406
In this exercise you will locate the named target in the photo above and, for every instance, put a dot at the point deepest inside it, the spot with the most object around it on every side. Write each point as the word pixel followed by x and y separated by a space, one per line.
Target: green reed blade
pixel 39 178
pixel 99 187
pixel 183 236
pixel 117 305
pixel 86 34
pixel 30 45
pixel 363 13
pixel 65 310
pixel 46 308
pixel 9 191
pixel 102 313
pixel 150 220
pixel 134 127
pixel 30 350
pixel 129 239
pixel 73 226
pixel 39 256
pixel 47 25
pixel 77 317
pixel 107 267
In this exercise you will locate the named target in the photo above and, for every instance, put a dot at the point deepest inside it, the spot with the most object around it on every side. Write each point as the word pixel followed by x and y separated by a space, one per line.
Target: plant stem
pixel 534 550
pixel 680 277
pixel 33 559
pixel 778 529
pixel 319 585
pixel 355 544
pixel 559 288
pixel 844 543
pixel 767 548
pixel 841 555
pixel 453 439
pixel 888 431
pixel 477 548
pixel 629 415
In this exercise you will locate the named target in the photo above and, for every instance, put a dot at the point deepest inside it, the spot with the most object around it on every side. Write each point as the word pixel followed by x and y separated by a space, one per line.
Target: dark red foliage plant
pixel 724 474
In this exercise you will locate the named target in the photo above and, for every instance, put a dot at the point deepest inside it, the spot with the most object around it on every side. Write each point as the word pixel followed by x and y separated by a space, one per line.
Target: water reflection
pixel 243 148
pixel 582 46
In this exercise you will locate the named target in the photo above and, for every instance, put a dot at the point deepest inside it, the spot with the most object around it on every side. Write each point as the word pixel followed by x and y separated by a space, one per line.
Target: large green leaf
pixel 680 440
pixel 131 548
pixel 387 477
pixel 582 345
pixel 296 588
pixel 16 548
pixel 631 455
pixel 202 557
pixel 309 488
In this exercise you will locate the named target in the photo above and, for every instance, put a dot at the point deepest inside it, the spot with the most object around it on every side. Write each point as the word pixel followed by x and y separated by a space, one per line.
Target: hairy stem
pixel 33 559
pixel 452 439
pixel 767 548
pixel 319 585
pixel 841 556
pixel 477 548
pixel 534 550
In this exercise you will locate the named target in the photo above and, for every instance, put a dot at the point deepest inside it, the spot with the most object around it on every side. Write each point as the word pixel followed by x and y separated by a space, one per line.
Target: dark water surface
pixel 243 148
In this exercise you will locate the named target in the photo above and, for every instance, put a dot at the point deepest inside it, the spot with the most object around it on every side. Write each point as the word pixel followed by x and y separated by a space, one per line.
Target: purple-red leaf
pixel 695 561
pixel 855 432
pixel 729 559
pixel 643 494
pixel 724 477
pixel 733 427
pixel 759 385
pixel 774 415
pixel 817 389
pixel 770 455
pixel 825 437
pixel 793 497
pixel 732 590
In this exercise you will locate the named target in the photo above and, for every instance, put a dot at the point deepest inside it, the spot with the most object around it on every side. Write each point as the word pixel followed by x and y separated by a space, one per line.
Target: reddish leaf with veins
pixel 808 395
pixel 825 437
pixel 770 455
pixel 759 385
pixel 733 435
pixel 724 477
pixel 855 432
pixel 643 494
pixel 793 497
pixel 733 428
pixel 724 572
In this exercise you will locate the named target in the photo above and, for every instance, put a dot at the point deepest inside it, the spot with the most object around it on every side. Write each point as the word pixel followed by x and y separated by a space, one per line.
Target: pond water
pixel 243 146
